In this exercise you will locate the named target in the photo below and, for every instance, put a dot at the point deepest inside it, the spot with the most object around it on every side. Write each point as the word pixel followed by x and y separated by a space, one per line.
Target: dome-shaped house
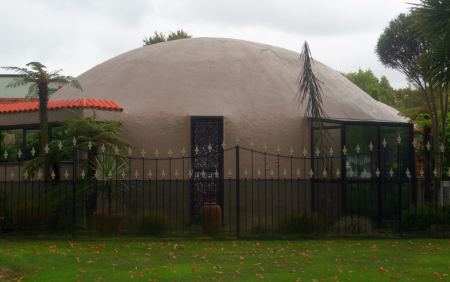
pixel 248 89
pixel 203 95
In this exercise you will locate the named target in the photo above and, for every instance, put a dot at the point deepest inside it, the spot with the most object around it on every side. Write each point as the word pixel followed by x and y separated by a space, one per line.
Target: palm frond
pixel 37 66
pixel 32 91
pixel 22 71
pixel 17 82
pixel 310 90
pixel 63 79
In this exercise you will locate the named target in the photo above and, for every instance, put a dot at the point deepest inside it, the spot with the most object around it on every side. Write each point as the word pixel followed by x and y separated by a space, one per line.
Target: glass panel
pixel 396 155
pixel 358 139
pixel 329 144
pixel 11 141
pixel 31 141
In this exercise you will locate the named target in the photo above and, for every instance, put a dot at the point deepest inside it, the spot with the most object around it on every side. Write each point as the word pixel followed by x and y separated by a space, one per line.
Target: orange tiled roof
pixel 85 103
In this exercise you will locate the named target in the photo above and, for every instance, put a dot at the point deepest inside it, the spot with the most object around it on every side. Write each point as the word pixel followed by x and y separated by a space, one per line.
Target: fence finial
pixel 19 154
pixel 338 173
pixel 149 174
pixel 358 149
pixel 317 152
pixel 33 152
pixel 384 142
pixel 25 175
pixel 378 172
pixel 421 172
pixel 46 149
pixel 399 139
pixel 183 151
pixel 143 153
pixel 428 145
pixel 371 146
pixel 291 151
pixel 442 148
pixel 130 152
pixel 311 173
pixel 74 141
pixel 344 150
pixel 408 173
pixel 156 152
pixel 60 145
pixel 391 172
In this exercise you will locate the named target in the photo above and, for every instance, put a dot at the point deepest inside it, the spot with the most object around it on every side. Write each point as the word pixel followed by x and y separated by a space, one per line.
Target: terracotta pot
pixel 109 223
pixel 211 217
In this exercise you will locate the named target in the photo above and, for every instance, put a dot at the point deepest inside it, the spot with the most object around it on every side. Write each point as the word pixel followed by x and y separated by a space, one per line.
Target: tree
pixel 38 78
pixel 179 34
pixel 380 89
pixel 432 21
pixel 401 48
pixel 156 38
pixel 159 37
pixel 367 81
pixel 386 92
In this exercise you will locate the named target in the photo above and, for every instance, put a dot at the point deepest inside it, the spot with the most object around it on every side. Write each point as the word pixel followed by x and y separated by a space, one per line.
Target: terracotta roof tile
pixel 86 103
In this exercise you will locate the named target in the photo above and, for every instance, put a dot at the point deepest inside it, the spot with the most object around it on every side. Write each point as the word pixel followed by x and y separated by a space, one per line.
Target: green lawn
pixel 208 260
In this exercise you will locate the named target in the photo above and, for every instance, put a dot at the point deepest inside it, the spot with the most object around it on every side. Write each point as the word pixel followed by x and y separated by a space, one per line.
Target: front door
pixel 207 162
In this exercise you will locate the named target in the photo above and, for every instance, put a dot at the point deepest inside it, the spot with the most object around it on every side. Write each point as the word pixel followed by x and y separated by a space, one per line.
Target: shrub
pixel 422 218
pixel 304 224
pixel 354 225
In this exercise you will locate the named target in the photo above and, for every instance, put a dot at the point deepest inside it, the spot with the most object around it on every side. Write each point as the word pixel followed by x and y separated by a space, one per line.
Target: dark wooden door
pixel 207 162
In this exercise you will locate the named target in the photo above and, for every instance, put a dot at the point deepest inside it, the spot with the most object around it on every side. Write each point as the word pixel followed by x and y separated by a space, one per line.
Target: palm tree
pixel 38 78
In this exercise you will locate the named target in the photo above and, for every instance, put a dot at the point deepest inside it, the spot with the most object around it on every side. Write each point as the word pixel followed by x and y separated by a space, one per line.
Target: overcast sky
pixel 79 34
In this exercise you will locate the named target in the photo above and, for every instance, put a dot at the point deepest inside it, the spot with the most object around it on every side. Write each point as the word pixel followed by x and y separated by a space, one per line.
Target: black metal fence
pixel 330 191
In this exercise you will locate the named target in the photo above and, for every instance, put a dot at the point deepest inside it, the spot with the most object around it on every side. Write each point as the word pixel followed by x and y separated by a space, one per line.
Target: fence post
pixel 238 217
pixel 74 193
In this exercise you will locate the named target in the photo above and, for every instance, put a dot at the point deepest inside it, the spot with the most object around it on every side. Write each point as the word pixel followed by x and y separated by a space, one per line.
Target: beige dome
pixel 252 85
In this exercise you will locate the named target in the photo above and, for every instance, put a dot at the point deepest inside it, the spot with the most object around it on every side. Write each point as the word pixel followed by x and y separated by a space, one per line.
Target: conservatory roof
pixel 84 103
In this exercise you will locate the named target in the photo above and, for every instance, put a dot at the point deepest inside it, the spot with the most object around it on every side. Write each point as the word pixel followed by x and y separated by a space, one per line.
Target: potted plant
pixel 211 212
pixel 110 208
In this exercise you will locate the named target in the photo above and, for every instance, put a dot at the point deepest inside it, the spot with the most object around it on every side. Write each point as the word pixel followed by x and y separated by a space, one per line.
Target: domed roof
pixel 222 77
